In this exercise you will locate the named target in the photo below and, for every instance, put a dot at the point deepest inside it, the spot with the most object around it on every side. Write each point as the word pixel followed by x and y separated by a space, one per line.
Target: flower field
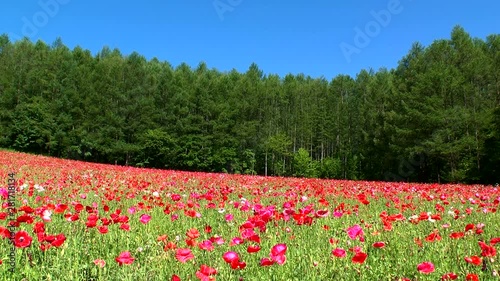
pixel 83 221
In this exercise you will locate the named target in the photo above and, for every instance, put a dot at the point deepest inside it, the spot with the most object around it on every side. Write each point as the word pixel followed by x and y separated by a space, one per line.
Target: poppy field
pixel 85 221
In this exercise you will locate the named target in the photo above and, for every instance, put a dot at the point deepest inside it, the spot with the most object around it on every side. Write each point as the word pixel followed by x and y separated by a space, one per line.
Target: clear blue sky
pixel 292 36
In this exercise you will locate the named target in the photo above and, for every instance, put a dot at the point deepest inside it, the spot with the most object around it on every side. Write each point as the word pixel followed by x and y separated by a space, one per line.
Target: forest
pixel 433 118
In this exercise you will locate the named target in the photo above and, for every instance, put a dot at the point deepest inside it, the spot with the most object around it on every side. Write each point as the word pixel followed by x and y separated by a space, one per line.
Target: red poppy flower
pixel 449 276
pixel 60 208
pixel 162 238
pixel 78 207
pixel 254 238
pixel 333 241
pixel 456 235
pixel 69 217
pixel 170 246
pixel 253 248
pixel 487 250
pixel 495 241
pixel 470 226
pixel 426 267
pixel 22 239
pixel 191 242
pixel 191 213
pixel 436 217
pixel 125 226
pixel 45 247
pixel 472 277
pixel 475 260
pixel 387 225
pixel 123 219
pixel 193 233
pixel 103 229
pixel 234 260
pixel 266 262
pixel 4 232
pixel 238 265
pixel 125 258
pixel 25 218
pixel 39 227
pixel 322 213
pixel 91 223
pixel 184 255
pixel 379 244
pixel 48 238
pixel 205 273
pixel 176 278
pixel 59 240
pixel 208 229
pixel 434 236
pixel 359 257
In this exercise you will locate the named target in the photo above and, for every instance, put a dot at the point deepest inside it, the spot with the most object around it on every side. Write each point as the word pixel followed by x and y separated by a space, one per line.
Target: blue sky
pixel 317 38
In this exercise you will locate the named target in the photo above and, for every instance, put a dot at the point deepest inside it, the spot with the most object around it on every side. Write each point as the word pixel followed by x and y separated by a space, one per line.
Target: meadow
pixel 85 221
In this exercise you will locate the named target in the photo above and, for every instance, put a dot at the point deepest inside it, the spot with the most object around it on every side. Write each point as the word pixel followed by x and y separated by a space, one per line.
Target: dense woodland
pixel 434 118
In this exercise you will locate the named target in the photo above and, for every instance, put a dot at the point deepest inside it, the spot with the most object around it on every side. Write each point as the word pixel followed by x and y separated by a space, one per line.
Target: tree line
pixel 434 118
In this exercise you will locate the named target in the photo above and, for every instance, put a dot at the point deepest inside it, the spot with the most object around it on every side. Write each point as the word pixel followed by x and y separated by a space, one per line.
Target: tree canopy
pixel 434 118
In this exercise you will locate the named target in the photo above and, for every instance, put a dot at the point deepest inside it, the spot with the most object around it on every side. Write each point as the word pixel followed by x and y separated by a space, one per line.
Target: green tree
pixel 303 165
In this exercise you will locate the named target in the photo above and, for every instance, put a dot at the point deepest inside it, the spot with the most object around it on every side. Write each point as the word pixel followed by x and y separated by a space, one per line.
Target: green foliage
pixel 491 152
pixel 157 149
pixel 331 168
pixel 303 165
pixel 279 146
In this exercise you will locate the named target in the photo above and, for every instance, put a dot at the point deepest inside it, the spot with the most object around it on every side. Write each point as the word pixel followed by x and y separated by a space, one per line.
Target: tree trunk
pixel 265 169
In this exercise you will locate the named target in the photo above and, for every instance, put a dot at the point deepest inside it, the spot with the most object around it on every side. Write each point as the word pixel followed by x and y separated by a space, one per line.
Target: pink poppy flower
pixel 426 267
pixel 125 258
pixel 339 252
pixel 145 218
pixel 184 255
pixel 355 232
